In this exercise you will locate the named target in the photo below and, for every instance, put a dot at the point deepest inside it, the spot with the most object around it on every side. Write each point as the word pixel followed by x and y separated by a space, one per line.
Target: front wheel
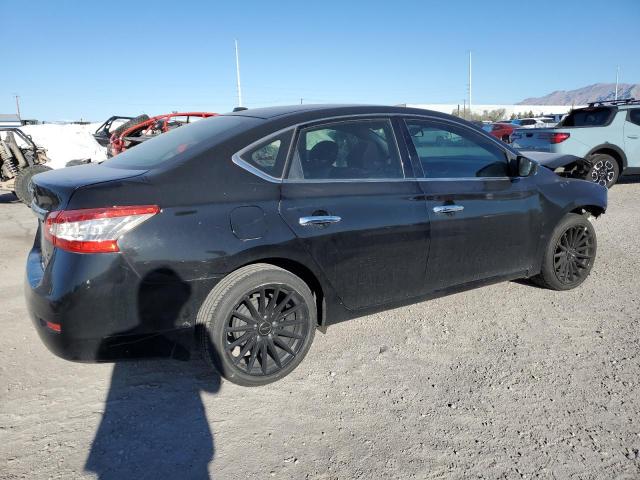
pixel 604 170
pixel 569 255
pixel 258 324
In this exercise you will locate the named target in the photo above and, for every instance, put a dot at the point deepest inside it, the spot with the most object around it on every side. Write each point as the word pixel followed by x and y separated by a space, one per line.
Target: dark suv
pixel 250 230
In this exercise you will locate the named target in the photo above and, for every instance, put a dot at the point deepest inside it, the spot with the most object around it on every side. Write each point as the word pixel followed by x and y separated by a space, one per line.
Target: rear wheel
pixel 258 324
pixel 604 170
pixel 569 255
pixel 23 178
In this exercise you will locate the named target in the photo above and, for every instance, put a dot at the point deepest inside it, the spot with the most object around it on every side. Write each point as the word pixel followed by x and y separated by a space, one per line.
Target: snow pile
pixel 67 142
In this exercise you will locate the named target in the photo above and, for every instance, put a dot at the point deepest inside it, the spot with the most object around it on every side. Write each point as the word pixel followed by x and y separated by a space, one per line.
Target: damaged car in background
pixel 114 125
pixel 142 128
pixel 607 134
pixel 20 159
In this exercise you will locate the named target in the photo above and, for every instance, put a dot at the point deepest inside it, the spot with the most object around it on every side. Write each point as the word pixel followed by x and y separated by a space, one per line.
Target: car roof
pixel 310 112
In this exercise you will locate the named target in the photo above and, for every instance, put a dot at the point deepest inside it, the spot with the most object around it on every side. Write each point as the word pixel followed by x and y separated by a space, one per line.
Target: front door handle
pixel 318 220
pixel 632 136
pixel 448 209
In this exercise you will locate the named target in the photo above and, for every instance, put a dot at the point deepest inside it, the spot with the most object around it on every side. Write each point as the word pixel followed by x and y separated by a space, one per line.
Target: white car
pixel 540 122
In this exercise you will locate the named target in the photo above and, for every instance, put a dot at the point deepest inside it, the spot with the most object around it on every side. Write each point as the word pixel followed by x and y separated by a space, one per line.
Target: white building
pixel 9 120
pixel 538 110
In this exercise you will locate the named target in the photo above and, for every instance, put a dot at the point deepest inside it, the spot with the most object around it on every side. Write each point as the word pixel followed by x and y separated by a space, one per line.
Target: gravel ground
pixel 507 381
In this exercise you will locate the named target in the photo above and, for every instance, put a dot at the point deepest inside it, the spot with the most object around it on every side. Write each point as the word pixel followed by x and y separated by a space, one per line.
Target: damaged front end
pixel 568 166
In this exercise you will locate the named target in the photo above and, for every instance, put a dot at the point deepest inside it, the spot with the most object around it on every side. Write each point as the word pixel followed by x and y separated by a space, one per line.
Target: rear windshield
pixel 188 139
pixel 588 117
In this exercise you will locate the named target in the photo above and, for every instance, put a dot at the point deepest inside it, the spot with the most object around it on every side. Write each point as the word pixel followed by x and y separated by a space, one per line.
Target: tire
pixel 573 243
pixel 506 138
pixel 22 182
pixel 242 335
pixel 130 123
pixel 605 170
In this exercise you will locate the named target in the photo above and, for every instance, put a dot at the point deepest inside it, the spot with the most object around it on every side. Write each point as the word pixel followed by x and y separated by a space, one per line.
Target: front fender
pixel 586 195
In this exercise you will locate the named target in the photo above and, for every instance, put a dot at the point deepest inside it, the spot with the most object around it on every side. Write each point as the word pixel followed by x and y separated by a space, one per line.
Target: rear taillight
pixel 558 137
pixel 94 230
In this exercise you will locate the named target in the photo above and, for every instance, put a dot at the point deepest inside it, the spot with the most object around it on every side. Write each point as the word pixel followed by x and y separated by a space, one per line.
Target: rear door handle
pixel 632 136
pixel 318 220
pixel 448 209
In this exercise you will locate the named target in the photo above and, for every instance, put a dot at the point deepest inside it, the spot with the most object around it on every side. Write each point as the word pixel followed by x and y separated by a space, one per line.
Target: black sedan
pixel 244 233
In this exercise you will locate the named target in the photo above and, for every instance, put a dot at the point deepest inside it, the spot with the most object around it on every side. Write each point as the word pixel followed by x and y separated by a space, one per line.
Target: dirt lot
pixel 508 381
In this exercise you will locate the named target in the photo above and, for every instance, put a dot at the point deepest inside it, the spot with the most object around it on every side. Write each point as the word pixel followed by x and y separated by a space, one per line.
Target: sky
pixel 87 59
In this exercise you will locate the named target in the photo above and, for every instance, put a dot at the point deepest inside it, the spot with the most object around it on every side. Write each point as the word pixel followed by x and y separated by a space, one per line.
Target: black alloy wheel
pixel 569 255
pixel 574 255
pixel 266 330
pixel 257 324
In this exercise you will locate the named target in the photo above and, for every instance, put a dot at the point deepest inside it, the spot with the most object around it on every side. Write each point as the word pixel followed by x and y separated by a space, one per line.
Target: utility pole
pixel 469 81
pixel 301 101
pixel 238 76
pixel 617 79
pixel 18 105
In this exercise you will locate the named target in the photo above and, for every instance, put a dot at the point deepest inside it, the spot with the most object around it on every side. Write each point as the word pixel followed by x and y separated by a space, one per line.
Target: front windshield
pixel 192 138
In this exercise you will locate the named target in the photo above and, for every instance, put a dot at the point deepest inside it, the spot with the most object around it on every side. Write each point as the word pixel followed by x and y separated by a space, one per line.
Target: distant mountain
pixel 597 92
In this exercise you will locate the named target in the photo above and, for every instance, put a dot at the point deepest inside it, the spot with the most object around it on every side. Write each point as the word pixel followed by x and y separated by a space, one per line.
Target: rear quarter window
pixel 269 155
pixel 634 116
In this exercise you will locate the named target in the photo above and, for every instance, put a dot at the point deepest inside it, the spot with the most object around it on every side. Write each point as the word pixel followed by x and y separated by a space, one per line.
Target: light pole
pixel 238 76
pixel 18 105
pixel 469 81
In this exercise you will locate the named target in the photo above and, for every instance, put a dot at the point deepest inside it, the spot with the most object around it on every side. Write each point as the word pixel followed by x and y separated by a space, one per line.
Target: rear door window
pixel 357 149
pixel 588 117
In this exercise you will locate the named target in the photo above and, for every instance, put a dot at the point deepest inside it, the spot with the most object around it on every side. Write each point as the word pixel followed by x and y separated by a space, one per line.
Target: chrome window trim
pixel 253 170
pixel 296 127
pixel 240 162
pixel 348 180
pixel 466 179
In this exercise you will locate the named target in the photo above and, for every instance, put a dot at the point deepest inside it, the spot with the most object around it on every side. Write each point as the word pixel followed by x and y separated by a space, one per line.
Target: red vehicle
pixel 151 127
pixel 503 131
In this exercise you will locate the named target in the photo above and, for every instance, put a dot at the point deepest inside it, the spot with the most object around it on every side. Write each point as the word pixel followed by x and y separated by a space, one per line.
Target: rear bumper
pixel 105 312
pixel 176 343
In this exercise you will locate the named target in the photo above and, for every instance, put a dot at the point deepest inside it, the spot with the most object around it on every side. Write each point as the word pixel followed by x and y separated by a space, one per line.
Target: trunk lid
pixel 532 138
pixel 52 190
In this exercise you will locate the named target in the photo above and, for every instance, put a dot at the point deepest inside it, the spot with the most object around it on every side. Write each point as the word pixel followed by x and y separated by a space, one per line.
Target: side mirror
pixel 525 166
